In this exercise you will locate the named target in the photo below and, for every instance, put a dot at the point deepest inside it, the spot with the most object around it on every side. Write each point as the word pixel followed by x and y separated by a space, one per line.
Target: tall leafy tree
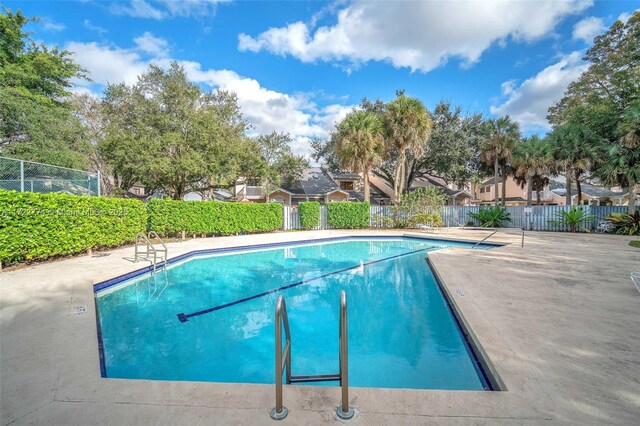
pixel 283 165
pixel 604 98
pixel 361 144
pixel 166 133
pixel 502 136
pixel 532 161
pixel 449 152
pixel 408 127
pixel 36 121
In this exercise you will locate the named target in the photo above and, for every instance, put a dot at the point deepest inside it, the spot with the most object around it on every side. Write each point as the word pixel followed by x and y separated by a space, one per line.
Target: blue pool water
pixel 211 318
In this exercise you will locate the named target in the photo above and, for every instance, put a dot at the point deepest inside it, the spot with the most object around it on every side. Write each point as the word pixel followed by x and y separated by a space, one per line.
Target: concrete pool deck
pixel 558 319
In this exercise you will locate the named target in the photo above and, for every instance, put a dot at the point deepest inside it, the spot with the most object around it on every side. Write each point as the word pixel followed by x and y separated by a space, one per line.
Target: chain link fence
pixel 20 175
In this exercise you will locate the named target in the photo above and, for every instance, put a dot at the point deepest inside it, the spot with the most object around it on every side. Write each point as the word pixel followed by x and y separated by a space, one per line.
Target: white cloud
pixel 508 87
pixel 152 45
pixel 88 25
pixel 162 9
pixel 417 35
pixel 268 110
pixel 107 65
pixel 588 28
pixel 138 9
pixel 51 26
pixel 529 102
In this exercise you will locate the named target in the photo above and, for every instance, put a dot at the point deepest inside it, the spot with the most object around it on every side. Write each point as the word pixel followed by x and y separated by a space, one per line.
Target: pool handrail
pixel 283 361
pixel 493 233
pixel 150 249
pixel 484 239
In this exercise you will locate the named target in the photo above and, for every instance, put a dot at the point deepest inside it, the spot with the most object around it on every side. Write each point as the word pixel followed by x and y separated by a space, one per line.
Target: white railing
pixel 254 191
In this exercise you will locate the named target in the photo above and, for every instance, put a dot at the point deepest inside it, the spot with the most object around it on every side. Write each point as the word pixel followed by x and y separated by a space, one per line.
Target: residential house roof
pixel 316 182
pixel 491 181
pixel 222 194
pixel 374 194
pixel 426 181
pixel 557 186
pixel 313 183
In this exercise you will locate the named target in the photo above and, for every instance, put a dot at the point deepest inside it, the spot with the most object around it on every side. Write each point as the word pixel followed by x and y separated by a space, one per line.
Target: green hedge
pixel 309 214
pixel 346 214
pixel 170 217
pixel 38 226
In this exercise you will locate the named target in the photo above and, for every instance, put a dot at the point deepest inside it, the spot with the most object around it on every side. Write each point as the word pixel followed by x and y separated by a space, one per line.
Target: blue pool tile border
pixel 117 280
pixel 489 382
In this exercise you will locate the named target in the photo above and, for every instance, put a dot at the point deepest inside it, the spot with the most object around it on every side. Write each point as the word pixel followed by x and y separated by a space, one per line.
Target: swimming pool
pixel 210 316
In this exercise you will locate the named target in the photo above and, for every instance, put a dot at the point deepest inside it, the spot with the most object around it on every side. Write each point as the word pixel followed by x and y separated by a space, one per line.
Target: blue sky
pixel 300 66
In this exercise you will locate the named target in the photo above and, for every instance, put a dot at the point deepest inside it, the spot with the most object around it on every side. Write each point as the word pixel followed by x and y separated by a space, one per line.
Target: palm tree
pixel 408 126
pixel 575 150
pixel 532 160
pixel 502 137
pixel 624 166
pixel 476 180
pixel 360 146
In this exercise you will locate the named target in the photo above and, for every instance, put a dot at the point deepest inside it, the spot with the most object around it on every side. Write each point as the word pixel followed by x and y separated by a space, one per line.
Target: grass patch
pixel 635 244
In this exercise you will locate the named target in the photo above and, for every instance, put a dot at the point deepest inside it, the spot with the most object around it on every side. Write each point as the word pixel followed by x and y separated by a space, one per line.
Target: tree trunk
pixel 366 185
pixel 495 182
pixel 538 196
pixel 579 187
pixel 397 184
pixel 504 187
pixel 529 189
pixel 632 198
pixel 567 188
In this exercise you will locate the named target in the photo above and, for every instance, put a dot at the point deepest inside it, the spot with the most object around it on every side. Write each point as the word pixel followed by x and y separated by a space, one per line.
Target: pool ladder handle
pixel 150 249
pixel 283 362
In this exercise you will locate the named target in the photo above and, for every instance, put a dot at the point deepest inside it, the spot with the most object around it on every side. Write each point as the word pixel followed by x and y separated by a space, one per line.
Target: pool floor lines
pixel 185 317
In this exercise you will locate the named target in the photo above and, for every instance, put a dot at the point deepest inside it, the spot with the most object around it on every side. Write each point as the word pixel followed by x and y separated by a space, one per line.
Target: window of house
pixel 347 186
pixel 482 189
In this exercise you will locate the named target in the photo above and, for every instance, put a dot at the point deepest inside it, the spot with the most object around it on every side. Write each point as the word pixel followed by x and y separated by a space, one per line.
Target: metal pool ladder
pixel 283 361
pixel 150 252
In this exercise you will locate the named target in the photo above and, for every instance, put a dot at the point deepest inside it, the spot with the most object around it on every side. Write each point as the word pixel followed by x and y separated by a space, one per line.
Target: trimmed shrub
pixel 309 212
pixel 349 215
pixel 38 226
pixel 491 217
pixel 425 218
pixel 171 217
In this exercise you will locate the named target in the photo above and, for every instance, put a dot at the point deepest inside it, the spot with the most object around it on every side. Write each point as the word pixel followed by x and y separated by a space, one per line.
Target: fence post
pixel 99 183
pixel 21 176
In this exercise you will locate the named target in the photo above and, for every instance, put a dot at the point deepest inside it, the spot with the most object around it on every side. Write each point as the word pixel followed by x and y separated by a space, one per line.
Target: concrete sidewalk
pixel 559 320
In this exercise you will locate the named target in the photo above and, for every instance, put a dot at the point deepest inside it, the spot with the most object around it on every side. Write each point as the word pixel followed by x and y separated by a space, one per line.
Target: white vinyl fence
pixel 534 218
pixel 292 218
